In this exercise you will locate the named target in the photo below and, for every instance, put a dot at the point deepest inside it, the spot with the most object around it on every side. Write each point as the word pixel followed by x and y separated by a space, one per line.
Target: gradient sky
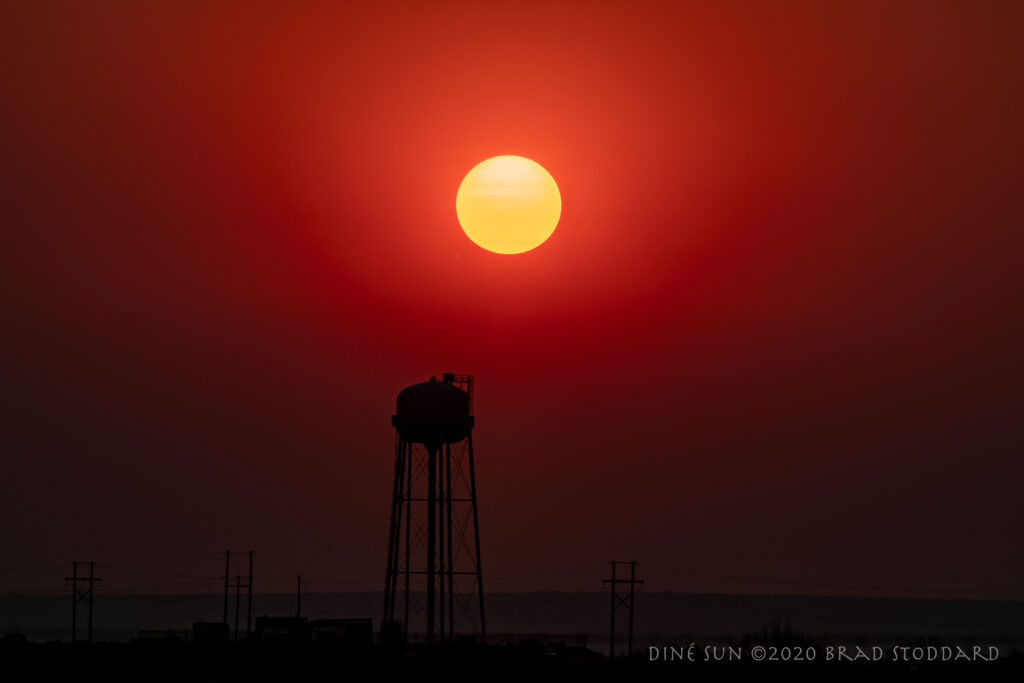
pixel 774 344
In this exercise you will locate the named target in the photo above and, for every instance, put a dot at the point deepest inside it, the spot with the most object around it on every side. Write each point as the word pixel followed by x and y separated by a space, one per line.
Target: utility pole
pixel 622 600
pixel 248 614
pixel 227 574
pixel 79 595
pixel 238 594
pixel 298 599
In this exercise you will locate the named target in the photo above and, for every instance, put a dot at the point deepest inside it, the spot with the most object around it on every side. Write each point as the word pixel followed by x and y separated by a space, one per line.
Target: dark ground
pixel 188 662
pixel 798 627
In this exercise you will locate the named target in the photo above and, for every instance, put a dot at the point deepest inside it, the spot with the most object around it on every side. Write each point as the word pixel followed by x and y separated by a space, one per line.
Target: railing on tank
pixel 464 382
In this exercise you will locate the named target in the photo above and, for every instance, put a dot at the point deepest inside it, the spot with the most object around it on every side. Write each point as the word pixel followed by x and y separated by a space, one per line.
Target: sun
pixel 508 204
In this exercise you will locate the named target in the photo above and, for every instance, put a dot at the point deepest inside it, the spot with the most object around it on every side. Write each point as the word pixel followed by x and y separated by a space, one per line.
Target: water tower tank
pixel 433 413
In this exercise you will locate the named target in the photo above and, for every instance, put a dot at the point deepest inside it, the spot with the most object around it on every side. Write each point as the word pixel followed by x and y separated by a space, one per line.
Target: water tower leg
pixel 395 524
pixel 431 537
pixel 451 555
pixel 476 536
pixel 403 495
pixel 408 532
pixel 440 539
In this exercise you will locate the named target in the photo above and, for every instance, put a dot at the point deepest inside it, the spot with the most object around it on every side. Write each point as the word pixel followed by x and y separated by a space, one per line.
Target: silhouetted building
pixel 209 633
pixel 163 635
pixel 350 632
pixel 283 629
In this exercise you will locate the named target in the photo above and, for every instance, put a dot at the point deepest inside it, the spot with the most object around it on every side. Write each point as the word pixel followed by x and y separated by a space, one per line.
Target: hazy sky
pixel 776 336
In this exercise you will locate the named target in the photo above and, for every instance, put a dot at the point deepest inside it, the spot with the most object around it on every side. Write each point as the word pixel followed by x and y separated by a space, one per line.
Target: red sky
pixel 776 335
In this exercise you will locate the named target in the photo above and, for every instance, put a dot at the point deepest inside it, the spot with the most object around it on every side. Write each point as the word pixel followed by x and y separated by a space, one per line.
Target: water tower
pixel 434 578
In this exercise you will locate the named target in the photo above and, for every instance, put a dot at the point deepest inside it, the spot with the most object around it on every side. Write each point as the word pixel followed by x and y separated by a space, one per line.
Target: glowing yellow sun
pixel 508 204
